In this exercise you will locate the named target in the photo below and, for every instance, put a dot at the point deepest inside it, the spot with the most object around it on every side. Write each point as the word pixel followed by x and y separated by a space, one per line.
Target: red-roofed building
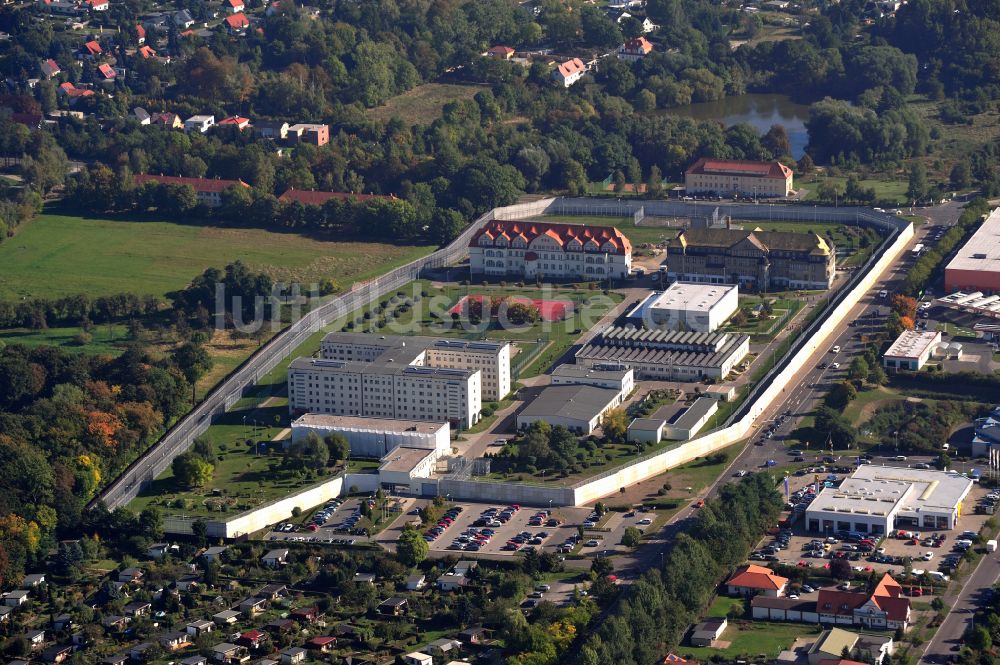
pixel 168 120
pixel 235 121
pixel 884 609
pixel 308 197
pixel 208 190
pixel 324 643
pixel 92 49
pixel 140 34
pixel 635 49
pixel 237 24
pixel 106 72
pixel 251 639
pixel 753 580
pixel 505 248
pixel 569 72
pixel 147 52
pixel 744 178
pixel 500 52
pixel 50 68
pixel 674 659
pixel 98 5
pixel 73 92
pixel 234 6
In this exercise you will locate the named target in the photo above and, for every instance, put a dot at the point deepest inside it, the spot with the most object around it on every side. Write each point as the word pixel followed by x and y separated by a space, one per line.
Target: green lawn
pixel 57 255
pixel 423 104
pixel 636 234
pixel 103 340
pixel 750 638
pixel 885 190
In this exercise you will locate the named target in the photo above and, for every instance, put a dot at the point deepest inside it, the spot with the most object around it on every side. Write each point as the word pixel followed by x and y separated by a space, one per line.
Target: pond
pixel 759 110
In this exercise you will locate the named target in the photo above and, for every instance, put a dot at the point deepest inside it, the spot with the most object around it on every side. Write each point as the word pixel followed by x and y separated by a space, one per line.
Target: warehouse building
pixel 375 437
pixel 491 359
pixel 687 422
pixel 687 306
pixel 666 355
pixel 755 260
pixel 738 177
pixel 578 408
pixel 976 266
pixel 519 249
pixel 614 377
pixel 878 500
pixel 911 350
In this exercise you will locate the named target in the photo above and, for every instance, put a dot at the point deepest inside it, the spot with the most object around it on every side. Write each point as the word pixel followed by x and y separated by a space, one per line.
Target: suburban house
pixel 15 598
pixel 97 5
pixel 92 49
pixel 57 653
pixel 140 34
pixel 5 612
pixel 175 640
pixel 199 627
pixel 183 19
pixel 393 607
pixel 138 608
pixel 312 134
pixel 74 93
pixel 272 591
pixel 106 72
pixel 293 655
pixel 416 582
pixel 832 643
pixel 569 72
pixel 237 24
pixel 235 121
pixel 274 558
pixel 251 639
pixel 50 68
pixel 279 626
pixel 209 193
pixel 138 653
pixel 63 622
pixel 418 658
pixel 115 622
pixel 213 553
pixel 142 115
pixel 158 550
pixel 251 607
pixel 234 6
pixel 36 638
pixel 199 123
pixel 130 575
pixel 884 609
pixel 305 614
pixel 364 578
pixel 168 120
pixel 635 49
pixel 33 580
pixel 323 643
pixel 752 580
pixel 226 617
pixel 707 631
pixel 271 129
pixel 147 52
pixel 443 646
pixel 117 659
pixel 500 52
pixel 195 660
pixel 230 654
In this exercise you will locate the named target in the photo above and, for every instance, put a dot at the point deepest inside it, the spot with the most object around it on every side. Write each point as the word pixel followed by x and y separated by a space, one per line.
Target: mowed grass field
pixel 58 255
pixel 422 105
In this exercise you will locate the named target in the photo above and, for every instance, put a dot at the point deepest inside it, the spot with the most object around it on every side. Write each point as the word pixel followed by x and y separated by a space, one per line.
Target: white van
pixel 883 294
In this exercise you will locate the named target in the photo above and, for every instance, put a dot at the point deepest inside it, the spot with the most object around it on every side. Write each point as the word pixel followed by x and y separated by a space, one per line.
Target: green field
pixel 58 255
pixel 104 341
pixel 751 638
pixel 885 190
pixel 423 104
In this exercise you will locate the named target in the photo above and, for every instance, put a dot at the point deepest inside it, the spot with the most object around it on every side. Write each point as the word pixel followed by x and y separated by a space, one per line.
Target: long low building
pixel 690 420
pixel 878 500
pixel 666 355
pixel 911 350
pixel 578 408
pixel 614 377
pixel 976 266
pixel 687 306
pixel 376 437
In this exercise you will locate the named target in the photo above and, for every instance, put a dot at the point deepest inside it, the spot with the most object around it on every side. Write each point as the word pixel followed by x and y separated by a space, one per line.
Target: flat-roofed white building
pixel 976 266
pixel 687 422
pixel 380 390
pixel 911 350
pixel 688 306
pixel 376 437
pixel 881 499
pixel 614 377
pixel 403 465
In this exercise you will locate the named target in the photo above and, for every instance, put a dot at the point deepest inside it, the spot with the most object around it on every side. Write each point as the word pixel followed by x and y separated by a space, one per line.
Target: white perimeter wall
pixel 715 441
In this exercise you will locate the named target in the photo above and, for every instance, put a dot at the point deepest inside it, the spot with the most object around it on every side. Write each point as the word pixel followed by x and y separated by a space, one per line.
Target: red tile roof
pixel 738 167
pixel 93 48
pixel 674 659
pixel 251 635
pixel 757 577
pixel 72 91
pixel 199 184
pixel 107 71
pixel 238 21
pixel 888 587
pixel 313 198
pixel 839 661
pixel 561 233
pixel 146 51
pixel 235 120
pixel 322 640
pixel 96 3
pixel 235 4
pixel 571 67
pixel 839 603
pixel 501 50
pixel 638 45
pixel 140 32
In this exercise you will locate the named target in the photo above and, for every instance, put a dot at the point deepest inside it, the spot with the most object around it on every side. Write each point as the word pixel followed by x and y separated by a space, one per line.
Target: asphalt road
pixel 945 644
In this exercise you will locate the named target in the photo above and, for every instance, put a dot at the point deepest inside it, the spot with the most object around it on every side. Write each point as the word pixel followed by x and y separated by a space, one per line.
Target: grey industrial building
pixel 579 408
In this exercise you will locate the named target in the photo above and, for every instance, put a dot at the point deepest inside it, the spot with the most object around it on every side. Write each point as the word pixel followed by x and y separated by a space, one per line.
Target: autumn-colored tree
pixel 904 305
pixel 907 322
pixel 103 427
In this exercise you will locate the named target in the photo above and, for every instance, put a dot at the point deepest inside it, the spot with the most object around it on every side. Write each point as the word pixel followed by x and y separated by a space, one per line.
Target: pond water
pixel 759 110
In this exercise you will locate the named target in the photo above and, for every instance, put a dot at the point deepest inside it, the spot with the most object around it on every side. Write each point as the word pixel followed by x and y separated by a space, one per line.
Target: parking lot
pixel 341 526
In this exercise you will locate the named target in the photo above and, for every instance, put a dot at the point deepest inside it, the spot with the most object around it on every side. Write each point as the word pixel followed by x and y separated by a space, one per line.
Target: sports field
pixel 58 255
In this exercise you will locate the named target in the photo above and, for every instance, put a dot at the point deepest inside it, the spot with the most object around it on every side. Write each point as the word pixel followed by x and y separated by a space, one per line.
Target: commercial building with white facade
pixel 666 355
pixel 880 499
pixel 376 437
pixel 911 350
pixel 491 359
pixel 384 390
pixel 513 248
pixel 614 377
pixel 688 306
pixel 579 408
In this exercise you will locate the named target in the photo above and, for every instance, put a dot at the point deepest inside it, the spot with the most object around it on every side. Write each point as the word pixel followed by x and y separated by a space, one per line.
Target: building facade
pixel 511 248
pixel 976 266
pixel 755 260
pixel 375 437
pixel 911 350
pixel 207 190
pixel 736 177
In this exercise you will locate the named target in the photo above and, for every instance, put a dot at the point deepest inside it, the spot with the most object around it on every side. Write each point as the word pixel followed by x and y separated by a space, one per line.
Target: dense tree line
pixel 933 259
pixel 650 617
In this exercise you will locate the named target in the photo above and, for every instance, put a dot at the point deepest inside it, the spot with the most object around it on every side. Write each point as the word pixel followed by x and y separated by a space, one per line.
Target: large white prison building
pixel 376 437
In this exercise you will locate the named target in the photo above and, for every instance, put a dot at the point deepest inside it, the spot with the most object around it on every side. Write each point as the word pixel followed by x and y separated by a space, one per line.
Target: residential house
pixel 418 658
pixel 16 598
pixel 168 120
pixel 207 190
pixel 708 631
pixel 752 580
pixel 251 639
pixel 130 575
pixel 235 121
pixel 635 49
pixel 174 640
pixel 31 581
pixel 106 72
pixel 569 72
pixel 225 617
pixel 92 49
pixel 293 655
pixel 36 638
pixel 50 68
pixel 195 660
pixel 272 591
pixel 270 129
pixel 199 123
pixel 230 654
pixel 251 607
pixel 115 622
pixel 237 24
pixel 146 52
pixel 214 554
pixel 82 640
pixel 834 642
pixel 137 654
pixel 416 582
pixel 5 612
pixel 63 622
pixel 187 583
pixel 884 609
pixel 500 52
pixel 97 5
pixel 199 627
pixel 475 636
pixel 323 643
pixel 364 578
pixel 393 607
pixel 234 6
pixel 141 115
pixel 305 614
pixel 444 646
pixel 140 34
pixel 312 134
pixel 57 653
pixel 183 19
pixel 138 609
pixel 275 558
